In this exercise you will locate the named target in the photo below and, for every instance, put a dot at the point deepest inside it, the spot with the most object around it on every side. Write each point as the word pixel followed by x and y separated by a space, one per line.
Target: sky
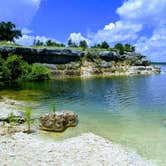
pixel 139 22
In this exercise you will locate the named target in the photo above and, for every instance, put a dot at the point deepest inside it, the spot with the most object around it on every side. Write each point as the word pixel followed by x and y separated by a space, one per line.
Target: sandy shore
pixel 86 150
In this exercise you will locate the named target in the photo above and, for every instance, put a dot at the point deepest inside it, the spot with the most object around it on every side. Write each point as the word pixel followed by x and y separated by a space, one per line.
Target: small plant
pixel 28 113
pixel 52 108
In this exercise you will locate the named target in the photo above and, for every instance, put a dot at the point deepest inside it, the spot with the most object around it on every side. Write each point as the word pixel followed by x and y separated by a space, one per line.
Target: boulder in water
pixel 58 122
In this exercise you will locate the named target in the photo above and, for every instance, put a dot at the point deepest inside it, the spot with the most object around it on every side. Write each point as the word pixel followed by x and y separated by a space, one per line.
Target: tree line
pixel 8 32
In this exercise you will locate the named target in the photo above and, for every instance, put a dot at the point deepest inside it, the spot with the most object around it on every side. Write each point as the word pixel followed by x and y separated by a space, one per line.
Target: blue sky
pixel 139 22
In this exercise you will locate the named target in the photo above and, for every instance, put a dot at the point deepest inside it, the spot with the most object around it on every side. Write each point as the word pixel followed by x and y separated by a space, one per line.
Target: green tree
pixel 120 48
pixel 38 43
pixel 38 73
pixel 104 45
pixel 83 44
pixel 54 44
pixel 12 68
pixel 129 48
pixel 8 31
pixel 72 43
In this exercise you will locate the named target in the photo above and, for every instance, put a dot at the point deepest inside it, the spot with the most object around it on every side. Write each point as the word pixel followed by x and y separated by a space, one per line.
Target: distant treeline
pixel 9 33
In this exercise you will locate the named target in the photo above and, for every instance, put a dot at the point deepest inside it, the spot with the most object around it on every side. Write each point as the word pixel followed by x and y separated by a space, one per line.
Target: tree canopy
pixel 8 31
pixel 83 44
pixel 72 43
pixel 104 45
pixel 54 44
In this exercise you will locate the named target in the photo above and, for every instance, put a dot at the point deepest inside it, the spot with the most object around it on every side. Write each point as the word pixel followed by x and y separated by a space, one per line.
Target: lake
pixel 126 110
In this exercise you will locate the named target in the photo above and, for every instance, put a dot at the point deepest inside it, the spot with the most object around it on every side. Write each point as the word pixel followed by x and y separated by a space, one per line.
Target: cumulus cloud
pixel 144 11
pixel 20 12
pixel 154 47
pixel 28 40
pixel 116 32
pixel 77 37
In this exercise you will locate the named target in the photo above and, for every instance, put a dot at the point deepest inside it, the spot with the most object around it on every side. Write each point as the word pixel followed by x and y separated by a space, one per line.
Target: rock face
pixel 66 55
pixel 58 121
pixel 43 55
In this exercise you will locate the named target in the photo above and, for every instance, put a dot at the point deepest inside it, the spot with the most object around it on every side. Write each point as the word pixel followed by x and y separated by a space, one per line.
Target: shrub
pixel 12 68
pixel 38 73
pixel 120 48
pixel 88 57
pixel 104 45
pixel 83 44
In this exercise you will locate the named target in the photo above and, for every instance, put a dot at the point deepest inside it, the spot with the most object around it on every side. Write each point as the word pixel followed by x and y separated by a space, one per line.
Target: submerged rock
pixel 58 121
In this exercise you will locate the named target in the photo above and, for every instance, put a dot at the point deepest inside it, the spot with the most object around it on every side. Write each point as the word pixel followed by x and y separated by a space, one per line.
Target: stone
pixel 58 122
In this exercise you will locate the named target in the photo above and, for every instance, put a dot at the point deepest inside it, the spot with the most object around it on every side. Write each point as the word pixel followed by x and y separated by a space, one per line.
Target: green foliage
pixel 51 43
pixel 38 73
pixel 72 43
pixel 38 43
pixel 104 45
pixel 52 108
pixel 14 69
pixel 1 64
pixel 10 118
pixel 8 31
pixel 88 57
pixel 6 43
pixel 120 48
pixel 129 48
pixel 83 44
pixel 28 113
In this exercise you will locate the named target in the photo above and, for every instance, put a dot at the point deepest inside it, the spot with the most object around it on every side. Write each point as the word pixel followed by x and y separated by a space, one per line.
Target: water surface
pixel 126 110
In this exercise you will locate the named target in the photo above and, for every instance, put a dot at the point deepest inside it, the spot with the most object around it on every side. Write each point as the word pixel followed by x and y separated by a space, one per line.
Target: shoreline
pixel 87 149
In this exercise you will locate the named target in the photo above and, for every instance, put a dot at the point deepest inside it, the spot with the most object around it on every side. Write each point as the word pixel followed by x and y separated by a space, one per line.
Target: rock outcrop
pixel 66 55
pixel 58 121
pixel 43 55
pixel 74 62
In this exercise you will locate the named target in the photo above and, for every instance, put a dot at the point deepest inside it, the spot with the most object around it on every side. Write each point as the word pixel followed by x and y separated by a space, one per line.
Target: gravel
pixel 86 150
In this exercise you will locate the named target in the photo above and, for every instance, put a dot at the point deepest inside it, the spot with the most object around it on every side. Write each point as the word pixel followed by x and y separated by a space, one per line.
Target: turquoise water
pixel 126 110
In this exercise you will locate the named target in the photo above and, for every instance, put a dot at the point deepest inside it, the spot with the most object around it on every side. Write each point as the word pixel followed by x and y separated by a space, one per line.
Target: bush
pixel 120 48
pixel 1 63
pixel 38 73
pixel 104 45
pixel 14 69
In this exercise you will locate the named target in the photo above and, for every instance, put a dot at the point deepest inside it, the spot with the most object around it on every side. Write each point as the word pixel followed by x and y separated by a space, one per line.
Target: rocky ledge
pixel 87 149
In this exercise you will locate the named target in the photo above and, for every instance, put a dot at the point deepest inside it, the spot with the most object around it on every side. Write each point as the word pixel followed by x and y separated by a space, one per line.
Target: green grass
pixel 5 43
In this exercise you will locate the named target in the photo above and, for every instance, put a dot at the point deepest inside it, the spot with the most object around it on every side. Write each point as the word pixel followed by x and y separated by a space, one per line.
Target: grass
pixel 52 108
pixel 28 113
pixel 5 43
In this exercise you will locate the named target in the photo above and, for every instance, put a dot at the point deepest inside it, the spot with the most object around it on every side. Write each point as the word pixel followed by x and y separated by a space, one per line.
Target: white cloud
pixel 144 11
pixel 19 12
pixel 27 40
pixel 154 47
pixel 26 31
pixel 116 32
pixel 77 37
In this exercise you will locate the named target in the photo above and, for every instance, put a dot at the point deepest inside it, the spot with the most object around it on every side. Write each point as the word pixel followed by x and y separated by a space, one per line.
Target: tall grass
pixel 28 113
